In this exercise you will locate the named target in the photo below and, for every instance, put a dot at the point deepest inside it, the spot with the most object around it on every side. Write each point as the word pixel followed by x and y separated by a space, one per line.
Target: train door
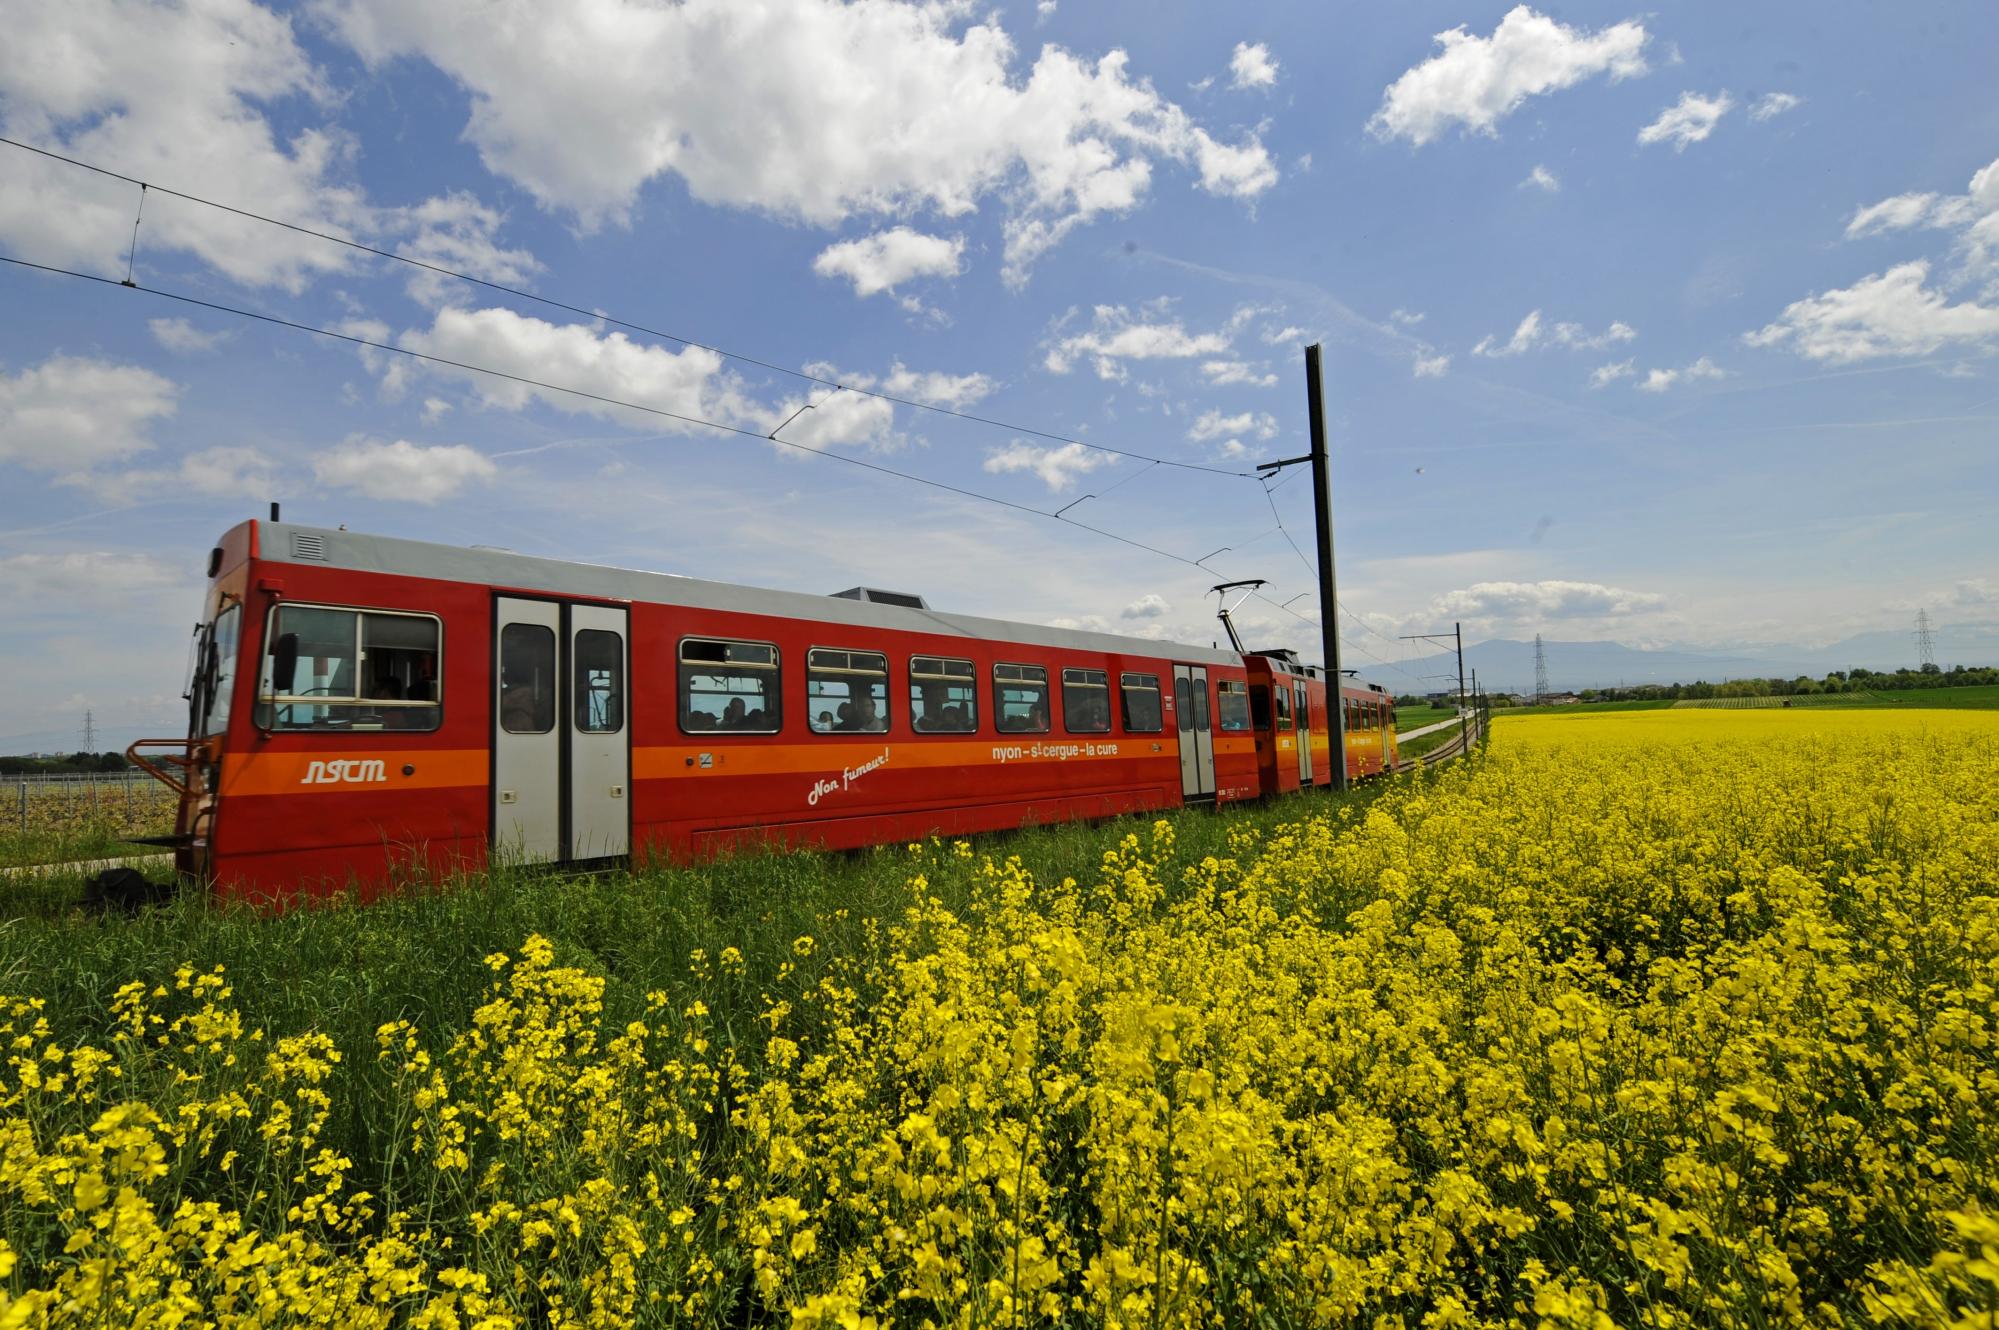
pixel 1302 712
pixel 561 763
pixel 1197 739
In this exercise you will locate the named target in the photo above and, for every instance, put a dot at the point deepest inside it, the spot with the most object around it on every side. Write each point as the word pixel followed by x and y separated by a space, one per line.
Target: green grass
pixel 1410 718
pixel 1981 695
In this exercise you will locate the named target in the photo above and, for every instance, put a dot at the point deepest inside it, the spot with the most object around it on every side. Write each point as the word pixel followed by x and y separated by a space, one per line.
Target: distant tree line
pixel 1857 680
pixel 75 763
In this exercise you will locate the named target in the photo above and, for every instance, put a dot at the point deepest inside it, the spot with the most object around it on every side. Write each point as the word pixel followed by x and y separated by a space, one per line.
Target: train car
pixel 366 709
pixel 1292 724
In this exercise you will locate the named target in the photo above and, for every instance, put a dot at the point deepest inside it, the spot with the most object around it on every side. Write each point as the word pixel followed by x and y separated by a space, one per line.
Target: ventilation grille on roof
pixel 875 595
pixel 306 546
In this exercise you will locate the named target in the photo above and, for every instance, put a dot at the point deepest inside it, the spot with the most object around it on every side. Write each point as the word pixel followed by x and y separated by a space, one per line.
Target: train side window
pixel 1183 704
pixel 527 678
pixel 1232 706
pixel 600 681
pixel 1281 694
pixel 846 692
pixel 730 687
pixel 1201 709
pixel 1139 694
pixel 341 669
pixel 1086 701
pixel 1020 699
pixel 1259 706
pixel 943 695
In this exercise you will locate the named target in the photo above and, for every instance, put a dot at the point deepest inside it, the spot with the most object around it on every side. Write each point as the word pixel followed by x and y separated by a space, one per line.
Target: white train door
pixel 561 759
pixel 1301 713
pixel 599 755
pixel 1197 739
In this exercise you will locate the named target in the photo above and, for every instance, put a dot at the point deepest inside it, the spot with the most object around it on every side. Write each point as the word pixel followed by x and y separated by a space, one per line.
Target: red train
pixel 362 708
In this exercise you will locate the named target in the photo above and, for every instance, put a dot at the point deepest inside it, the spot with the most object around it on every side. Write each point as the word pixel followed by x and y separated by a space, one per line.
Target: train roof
pixel 287 542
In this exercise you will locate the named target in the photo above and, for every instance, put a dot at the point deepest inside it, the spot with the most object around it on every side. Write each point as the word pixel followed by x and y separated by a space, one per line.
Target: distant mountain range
pixel 1507 666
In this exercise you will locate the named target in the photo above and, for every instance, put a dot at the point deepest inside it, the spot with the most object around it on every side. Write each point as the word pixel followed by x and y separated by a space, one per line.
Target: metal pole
pixel 1459 630
pixel 24 808
pixel 1329 601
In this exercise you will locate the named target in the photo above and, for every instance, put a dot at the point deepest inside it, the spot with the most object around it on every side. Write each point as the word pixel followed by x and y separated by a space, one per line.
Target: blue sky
pixel 1673 328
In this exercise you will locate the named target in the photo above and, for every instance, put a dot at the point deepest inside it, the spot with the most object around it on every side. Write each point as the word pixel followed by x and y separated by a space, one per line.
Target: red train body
pixel 364 709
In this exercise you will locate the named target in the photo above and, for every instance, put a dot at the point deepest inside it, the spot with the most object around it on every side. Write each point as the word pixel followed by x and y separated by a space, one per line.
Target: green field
pixel 1983 696
pixel 1411 718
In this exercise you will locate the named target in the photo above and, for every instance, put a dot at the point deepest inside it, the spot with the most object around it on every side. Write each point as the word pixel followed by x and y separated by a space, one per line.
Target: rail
pixel 1469 733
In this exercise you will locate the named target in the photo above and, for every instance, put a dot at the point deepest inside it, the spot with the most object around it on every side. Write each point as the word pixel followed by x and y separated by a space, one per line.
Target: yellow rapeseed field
pixel 1594 1030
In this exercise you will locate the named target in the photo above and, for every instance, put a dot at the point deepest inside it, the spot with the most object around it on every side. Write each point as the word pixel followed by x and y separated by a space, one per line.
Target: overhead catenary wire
pixel 598 316
pixel 468 367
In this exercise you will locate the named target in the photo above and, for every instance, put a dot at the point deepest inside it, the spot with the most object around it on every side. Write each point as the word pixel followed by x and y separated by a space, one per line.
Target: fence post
pixel 24 808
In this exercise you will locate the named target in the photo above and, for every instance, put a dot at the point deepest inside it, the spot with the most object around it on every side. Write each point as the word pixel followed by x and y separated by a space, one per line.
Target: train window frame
pixel 1145 683
pixel 268 701
pixel 583 684
pixel 1226 689
pixel 1021 680
pixel 774 696
pixel 1078 677
pixel 523 708
pixel 220 667
pixel 1280 698
pixel 850 670
pixel 919 714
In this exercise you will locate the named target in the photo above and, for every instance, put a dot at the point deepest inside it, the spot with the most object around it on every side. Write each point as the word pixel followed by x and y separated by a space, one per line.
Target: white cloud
pixel 1773 104
pixel 1532 333
pixel 1478 81
pixel 956 391
pixel 183 338
pixel 179 94
pixel 459 232
pixel 1116 335
pixel 1251 66
pixel 1690 120
pixel 841 419
pixel 1890 314
pixel 1904 211
pixel 1542 178
pixel 1431 367
pixel 1151 605
pixel 1659 380
pixel 1222 373
pixel 1057 467
pixel 1213 425
pixel 1525 338
pixel 1607 374
pixel 1551 599
pixel 435 409
pixel 70 414
pixel 1044 10
pixel 83 577
pixel 1289 334
pixel 810 110
pixel 687 382
pixel 401 470
pixel 887 259
pixel 226 472
pixel 1406 318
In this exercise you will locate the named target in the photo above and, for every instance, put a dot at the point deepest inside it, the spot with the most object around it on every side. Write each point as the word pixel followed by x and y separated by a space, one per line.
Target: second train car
pixel 363 708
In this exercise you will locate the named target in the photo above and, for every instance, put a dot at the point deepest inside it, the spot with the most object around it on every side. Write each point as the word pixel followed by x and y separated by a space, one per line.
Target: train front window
pixel 339 669
pixel 221 668
pixel 1086 701
pixel 943 698
pixel 846 691
pixel 1232 706
pixel 1259 706
pixel 730 687
pixel 1020 699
